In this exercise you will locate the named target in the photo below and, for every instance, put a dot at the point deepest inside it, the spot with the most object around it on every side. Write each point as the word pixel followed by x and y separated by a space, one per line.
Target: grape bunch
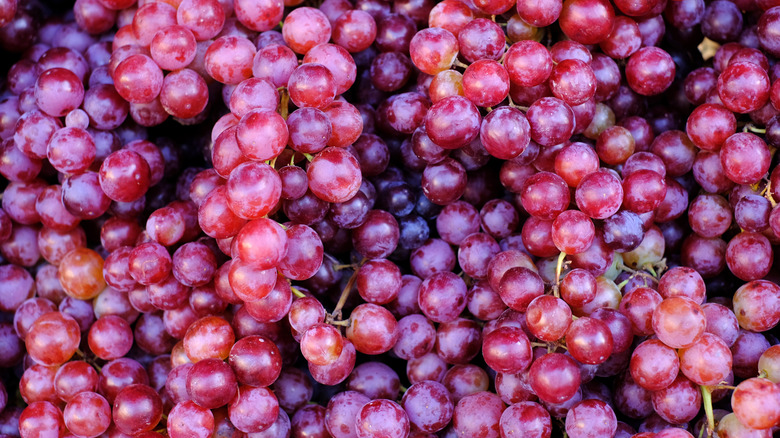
pixel 389 219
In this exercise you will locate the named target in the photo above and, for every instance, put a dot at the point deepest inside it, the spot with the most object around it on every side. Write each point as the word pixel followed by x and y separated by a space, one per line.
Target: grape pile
pixel 389 218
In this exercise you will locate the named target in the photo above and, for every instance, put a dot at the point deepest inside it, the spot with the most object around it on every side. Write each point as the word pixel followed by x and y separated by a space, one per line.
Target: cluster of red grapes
pixel 389 218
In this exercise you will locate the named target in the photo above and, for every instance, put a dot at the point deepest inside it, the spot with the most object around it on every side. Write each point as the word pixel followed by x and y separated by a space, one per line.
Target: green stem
pixel 634 272
pixel 754 129
pixel 297 292
pixel 558 268
pixel 768 194
pixel 284 104
pixel 706 398
pixel 457 63
pixel 336 314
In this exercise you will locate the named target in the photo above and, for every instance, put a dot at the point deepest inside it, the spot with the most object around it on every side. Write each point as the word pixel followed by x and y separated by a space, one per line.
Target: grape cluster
pixel 389 219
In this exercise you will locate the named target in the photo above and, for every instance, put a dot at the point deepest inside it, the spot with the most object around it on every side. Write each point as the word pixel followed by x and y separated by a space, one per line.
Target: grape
pixel 337 371
pixel 589 340
pixel 341 412
pixel 261 123
pixel 208 337
pixel 749 256
pixel 478 415
pixel 480 39
pixel 452 122
pixel 458 341
pixel 732 91
pixel 498 341
pixel 312 85
pixel 463 380
pixel 551 120
pixel 712 351
pixel 41 418
pixel 334 175
pixel 383 417
pixel 572 81
pixel 679 402
pixel 650 71
pixel 374 380
pixel 87 414
pixel 554 377
pixel 321 344
pixel 53 338
pixel 38 384
pixel 599 194
pixel 485 83
pixel 253 93
pixel 526 419
pixel 733 157
pixel 572 232
pixel 188 419
pixel 505 133
pixel 137 408
pixel 755 305
pixel 373 329
pixel 433 50
pixel 730 425
pixel 591 30
pixel 591 418
pixel 418 402
pixel 211 383
pixel 624 40
pixel 653 365
pixel 444 182
pixel 354 30
pixel 124 176
pixel 110 337
pixel 631 399
pixel 253 409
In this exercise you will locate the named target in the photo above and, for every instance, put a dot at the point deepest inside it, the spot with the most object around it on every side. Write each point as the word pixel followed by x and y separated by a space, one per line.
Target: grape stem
pixel 634 272
pixel 558 269
pixel 767 193
pixel 297 292
pixel 754 129
pixel 89 360
pixel 335 316
pixel 284 104
pixel 514 105
pixel 706 395
pixel 460 64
